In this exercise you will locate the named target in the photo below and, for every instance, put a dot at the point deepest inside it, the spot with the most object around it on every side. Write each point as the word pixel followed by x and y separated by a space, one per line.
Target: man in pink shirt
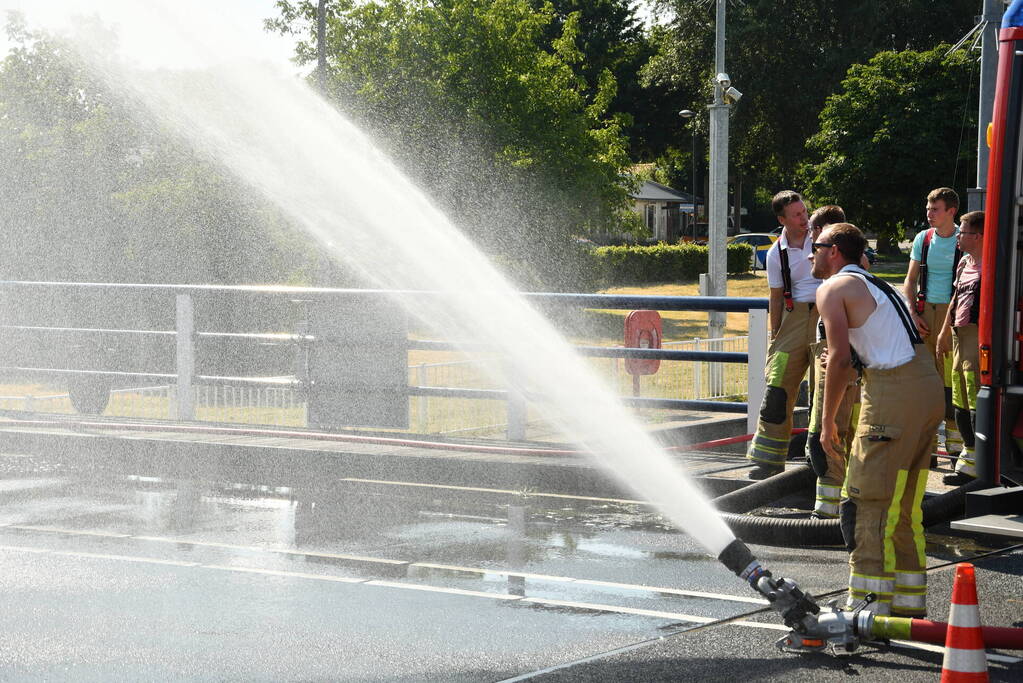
pixel 959 332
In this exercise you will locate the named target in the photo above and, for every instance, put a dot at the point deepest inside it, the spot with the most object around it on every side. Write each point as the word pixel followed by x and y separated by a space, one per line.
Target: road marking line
pixel 23 549
pixel 282 572
pixel 611 609
pixel 675 591
pixel 410 565
pixel 495 572
pixel 621 610
pixel 476 489
pixel 441 589
pixel 124 558
pixel 71 532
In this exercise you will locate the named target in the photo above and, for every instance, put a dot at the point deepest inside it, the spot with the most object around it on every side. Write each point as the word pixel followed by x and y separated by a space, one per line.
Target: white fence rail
pixel 285 406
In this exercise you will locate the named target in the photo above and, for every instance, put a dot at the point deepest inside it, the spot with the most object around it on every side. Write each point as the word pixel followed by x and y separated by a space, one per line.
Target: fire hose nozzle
pixel 812 630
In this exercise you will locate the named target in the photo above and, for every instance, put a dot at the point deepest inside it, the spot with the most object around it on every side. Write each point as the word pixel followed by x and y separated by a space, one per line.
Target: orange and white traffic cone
pixel 965 659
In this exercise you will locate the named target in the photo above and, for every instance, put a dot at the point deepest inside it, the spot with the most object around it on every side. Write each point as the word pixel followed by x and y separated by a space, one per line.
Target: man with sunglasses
pixel 793 324
pixel 959 332
pixel 901 405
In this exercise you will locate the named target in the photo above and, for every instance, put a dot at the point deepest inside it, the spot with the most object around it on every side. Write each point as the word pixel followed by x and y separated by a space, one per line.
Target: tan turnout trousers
pixel 829 485
pixel 934 317
pixel 965 365
pixel 887 475
pixel 788 358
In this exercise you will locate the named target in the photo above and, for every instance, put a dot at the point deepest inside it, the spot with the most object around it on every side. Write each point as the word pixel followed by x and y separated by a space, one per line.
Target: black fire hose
pixel 796 533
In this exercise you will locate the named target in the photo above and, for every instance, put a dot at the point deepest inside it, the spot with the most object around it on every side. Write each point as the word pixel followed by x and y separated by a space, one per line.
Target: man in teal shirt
pixel 928 289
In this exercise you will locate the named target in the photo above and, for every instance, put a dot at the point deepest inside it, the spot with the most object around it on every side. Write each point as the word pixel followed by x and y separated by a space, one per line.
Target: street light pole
pixel 689 114
pixel 717 227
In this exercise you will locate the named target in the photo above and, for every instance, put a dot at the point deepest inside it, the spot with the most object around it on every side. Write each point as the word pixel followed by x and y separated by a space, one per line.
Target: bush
pixel 662 262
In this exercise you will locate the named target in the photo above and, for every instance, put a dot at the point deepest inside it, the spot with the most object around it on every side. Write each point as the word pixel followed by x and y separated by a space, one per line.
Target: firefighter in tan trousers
pixel 830 473
pixel 959 333
pixel 902 404
pixel 793 325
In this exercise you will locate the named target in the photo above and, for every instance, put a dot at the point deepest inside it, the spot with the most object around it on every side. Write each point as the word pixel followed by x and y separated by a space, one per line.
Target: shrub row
pixel 662 263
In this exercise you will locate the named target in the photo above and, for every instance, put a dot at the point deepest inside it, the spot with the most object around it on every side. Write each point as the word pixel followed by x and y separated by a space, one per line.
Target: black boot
pixel 763 471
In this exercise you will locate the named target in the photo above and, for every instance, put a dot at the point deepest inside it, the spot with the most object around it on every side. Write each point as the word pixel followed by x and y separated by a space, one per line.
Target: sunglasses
pixel 821 245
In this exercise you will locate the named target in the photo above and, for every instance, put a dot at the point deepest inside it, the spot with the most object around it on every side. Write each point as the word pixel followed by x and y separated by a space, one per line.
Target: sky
pixel 248 15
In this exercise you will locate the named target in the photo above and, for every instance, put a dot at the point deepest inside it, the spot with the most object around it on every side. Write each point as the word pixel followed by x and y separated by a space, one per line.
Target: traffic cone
pixel 965 659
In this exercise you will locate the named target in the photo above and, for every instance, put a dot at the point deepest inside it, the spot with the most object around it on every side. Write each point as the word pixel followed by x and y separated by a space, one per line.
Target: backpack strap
pixel 921 294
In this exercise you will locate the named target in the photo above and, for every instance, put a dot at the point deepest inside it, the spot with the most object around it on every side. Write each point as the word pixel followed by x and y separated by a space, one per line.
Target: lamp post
pixel 690 114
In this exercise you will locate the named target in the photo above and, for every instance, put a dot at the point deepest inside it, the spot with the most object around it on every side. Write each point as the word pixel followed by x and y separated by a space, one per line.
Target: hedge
pixel 662 262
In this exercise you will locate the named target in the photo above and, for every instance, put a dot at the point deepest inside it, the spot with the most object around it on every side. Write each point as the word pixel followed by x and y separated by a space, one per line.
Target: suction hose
pixel 811 532
pixel 924 631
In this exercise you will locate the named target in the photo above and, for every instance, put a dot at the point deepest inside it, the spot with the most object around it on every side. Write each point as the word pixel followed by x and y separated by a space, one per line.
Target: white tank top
pixel 882 341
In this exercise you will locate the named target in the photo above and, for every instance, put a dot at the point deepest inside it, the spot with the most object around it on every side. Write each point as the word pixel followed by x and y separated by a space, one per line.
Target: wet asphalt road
pixel 122 577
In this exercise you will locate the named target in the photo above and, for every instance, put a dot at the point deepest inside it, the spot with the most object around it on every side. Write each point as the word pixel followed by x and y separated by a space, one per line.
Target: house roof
pixel 655 192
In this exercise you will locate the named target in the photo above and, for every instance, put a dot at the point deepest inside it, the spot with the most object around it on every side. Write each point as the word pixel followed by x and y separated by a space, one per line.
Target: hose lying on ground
pixel 790 532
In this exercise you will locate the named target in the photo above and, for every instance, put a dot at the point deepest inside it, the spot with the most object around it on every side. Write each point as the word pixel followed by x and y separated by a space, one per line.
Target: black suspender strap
pixel 897 301
pixel 786 277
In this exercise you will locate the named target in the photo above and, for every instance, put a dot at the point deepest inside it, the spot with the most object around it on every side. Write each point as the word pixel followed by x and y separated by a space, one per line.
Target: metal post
pixel 717 220
pixel 756 381
pixel 517 411
pixel 185 327
pixel 992 18
pixel 423 415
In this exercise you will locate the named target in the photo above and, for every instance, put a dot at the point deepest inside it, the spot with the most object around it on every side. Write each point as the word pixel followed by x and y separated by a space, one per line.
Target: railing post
pixel 185 328
pixel 517 412
pixel 422 414
pixel 756 381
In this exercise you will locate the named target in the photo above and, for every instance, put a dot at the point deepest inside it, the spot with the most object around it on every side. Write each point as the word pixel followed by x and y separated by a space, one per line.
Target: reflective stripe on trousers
pixel 910 598
pixel 788 359
pixel 887 473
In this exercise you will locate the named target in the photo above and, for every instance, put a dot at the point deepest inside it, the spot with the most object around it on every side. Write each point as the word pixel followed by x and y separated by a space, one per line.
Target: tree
pixel 787 56
pixel 894 132
pixel 484 104
pixel 94 191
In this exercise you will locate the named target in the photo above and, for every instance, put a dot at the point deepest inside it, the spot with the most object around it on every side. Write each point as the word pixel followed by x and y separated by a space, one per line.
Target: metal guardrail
pixel 186 337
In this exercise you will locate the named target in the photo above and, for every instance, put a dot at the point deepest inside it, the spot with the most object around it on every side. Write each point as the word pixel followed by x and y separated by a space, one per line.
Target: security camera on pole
pixel 715 284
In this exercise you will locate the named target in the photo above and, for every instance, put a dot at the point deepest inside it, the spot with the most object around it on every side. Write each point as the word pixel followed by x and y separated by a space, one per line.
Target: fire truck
pixel 999 508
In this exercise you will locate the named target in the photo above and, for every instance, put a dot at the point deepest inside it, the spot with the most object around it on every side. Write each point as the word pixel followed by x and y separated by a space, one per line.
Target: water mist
pixel 271 130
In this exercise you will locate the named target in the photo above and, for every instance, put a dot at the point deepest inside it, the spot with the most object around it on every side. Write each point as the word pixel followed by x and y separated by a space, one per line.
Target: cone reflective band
pixel 965 659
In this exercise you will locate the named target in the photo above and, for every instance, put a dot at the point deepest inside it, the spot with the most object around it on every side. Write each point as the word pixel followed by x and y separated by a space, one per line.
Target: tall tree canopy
pixel 787 56
pixel 487 104
pixel 893 133
pixel 92 190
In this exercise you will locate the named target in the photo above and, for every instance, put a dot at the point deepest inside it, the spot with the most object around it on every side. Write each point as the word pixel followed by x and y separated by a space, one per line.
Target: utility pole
pixel 717 221
pixel 991 19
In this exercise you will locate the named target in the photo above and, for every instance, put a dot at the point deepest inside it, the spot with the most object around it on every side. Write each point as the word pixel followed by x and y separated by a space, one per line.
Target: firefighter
pixel 793 324
pixel 901 406
pixel 830 474
pixel 928 289
pixel 959 332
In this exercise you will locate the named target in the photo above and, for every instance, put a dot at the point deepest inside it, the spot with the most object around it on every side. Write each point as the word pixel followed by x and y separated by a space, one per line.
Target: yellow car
pixel 761 243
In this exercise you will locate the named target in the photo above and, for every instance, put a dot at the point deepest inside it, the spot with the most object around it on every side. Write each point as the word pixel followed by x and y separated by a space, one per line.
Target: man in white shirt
pixel 793 325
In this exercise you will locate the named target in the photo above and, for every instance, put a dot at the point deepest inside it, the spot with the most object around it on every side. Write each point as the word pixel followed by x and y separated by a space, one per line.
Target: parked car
pixel 761 243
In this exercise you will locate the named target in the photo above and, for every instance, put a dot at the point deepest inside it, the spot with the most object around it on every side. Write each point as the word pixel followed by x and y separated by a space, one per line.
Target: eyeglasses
pixel 821 245
pixel 963 232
